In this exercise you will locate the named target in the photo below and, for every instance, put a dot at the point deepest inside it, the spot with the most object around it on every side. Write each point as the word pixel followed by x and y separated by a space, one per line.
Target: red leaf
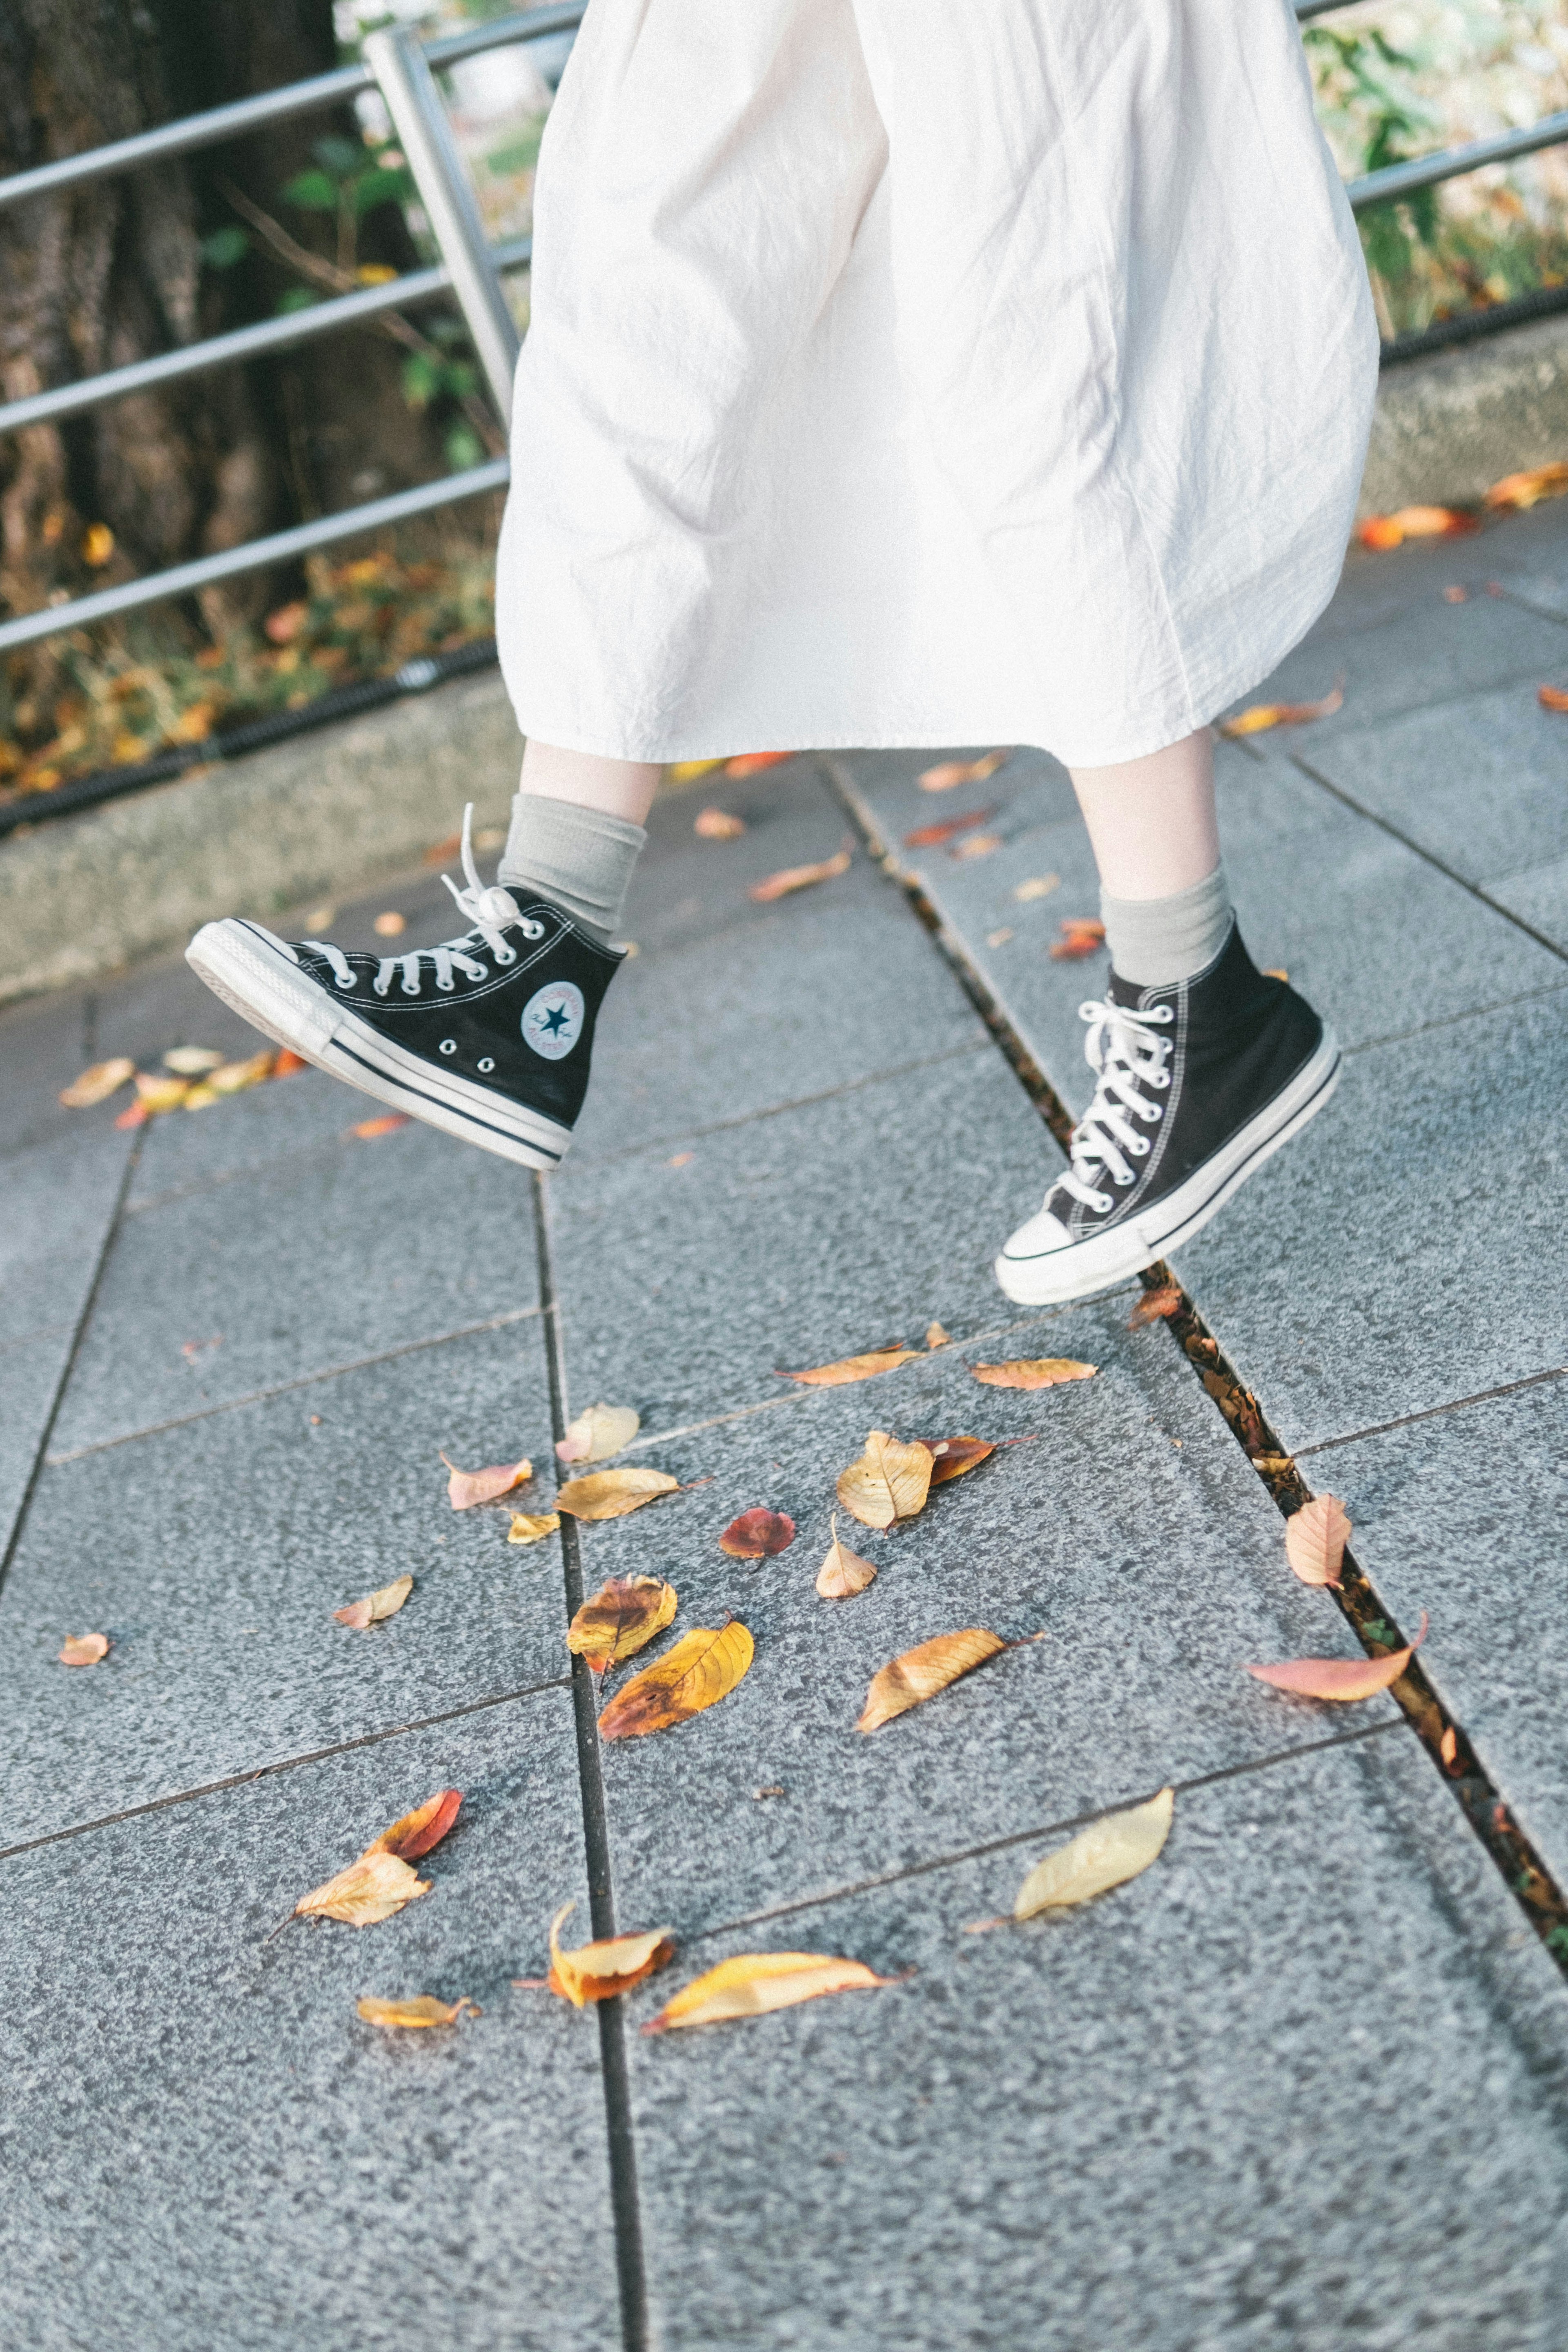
pixel 757 1534
pixel 423 1828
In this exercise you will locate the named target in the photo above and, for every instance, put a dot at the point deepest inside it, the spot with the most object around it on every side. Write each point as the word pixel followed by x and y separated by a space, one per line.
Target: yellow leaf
pixel 798 878
pixel 96 1085
pixel 611 1493
pixel 943 779
pixel 686 772
pixel 1038 886
pixel 923 1671
pixel 466 1487
pixel 372 1888
pixel 98 545
pixel 594 1436
pixel 1343 1679
pixel 620 1618
pixel 233 1078
pixel 1526 490
pixel 157 1093
pixel 938 1336
pixel 420 2008
pixel 1261 716
pixel 1101 1857
pixel 1034 1372
pixel 1315 1539
pixel 84 1649
pixel 843 1573
pixel 755 1982
pixel 598 1971
pixel 851 1368
pixel 533 1526
pixel 888 1481
pixel 704 1666
pixel 375 1606
pixel 201 1096
pixel 975 844
pixel 375 273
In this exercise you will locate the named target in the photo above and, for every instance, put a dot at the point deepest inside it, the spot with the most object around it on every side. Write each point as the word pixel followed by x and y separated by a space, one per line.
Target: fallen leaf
pixel 1551 698
pixel 1155 1307
pixel 1082 935
pixel 1382 532
pixel 533 1526
pixel 931 837
pixel 951 1456
pixel 285 1063
pixel 1034 1372
pixel 758 1534
pixel 753 1983
pixel 388 926
pixel 752 764
pixel 368 1129
pixel 798 878
pixel 84 1649
pixel 938 1336
pixel 192 1061
pixel 594 1436
pixel 718 825
pixel 950 772
pixel 1456 595
pixel 466 1487
pixel 1315 1539
pixel 923 1671
pixel 843 1572
pixel 375 1606
pixel 888 1481
pixel 1448 1747
pixel 1038 886
pixel 611 1493
pixel 1103 1855
pixel 419 2008
pixel 703 1667
pixel 156 1094
pixel 96 1084
pixel 686 772
pixel 998 939
pixel 1275 972
pixel 976 844
pixel 1261 716
pixel 620 1618
pixel 200 1095
pixel 133 1115
pixel 233 1078
pixel 1345 1679
pixel 374 1888
pixel 417 1833
pixel 600 1971
pixel 774 1789
pixel 852 1368
pixel 1528 488
pixel 97 544
pixel 681 1160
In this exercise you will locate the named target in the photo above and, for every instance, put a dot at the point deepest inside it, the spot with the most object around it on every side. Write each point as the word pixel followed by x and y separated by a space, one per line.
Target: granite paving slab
pixel 308 1261
pixel 1300 2084
pixel 43 1047
pixel 831 1227
pixel 1392 1259
pixel 1539 897
pixel 213 1554
pixel 1128 1530
pixel 204 2145
pixel 688 889
pixel 1463 1514
pixel 284 1118
pixel 30 1371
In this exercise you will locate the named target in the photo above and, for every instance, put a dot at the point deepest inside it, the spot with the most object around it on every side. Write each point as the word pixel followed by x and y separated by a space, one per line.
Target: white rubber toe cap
pixel 1042 1236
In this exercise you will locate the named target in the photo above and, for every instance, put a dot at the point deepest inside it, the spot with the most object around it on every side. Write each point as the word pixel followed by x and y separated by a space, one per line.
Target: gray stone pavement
pixel 1302 2084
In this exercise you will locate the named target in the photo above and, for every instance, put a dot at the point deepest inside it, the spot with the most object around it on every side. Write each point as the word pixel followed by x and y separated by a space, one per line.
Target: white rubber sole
pixel 1081 1268
pixel 255 972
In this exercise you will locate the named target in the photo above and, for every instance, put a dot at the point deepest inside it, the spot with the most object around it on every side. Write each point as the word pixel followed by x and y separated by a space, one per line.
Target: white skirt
pixel 927 372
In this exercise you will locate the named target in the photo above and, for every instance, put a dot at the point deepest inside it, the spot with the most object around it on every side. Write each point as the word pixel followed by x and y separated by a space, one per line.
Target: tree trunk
pixel 113 271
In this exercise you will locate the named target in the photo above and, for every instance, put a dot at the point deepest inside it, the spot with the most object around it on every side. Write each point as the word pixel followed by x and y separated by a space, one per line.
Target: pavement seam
pixel 282 1764
pixel 1433 1412
pixel 1481 1803
pixel 621 2143
pixel 304 1380
pixel 1452 1020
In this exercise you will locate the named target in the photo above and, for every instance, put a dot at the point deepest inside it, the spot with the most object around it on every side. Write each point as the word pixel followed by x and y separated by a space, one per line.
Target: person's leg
pixel 576 830
pixel 1164 898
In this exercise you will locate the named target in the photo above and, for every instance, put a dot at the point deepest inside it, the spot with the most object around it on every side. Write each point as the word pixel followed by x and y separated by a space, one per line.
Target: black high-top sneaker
pixel 1199 1083
pixel 486 1035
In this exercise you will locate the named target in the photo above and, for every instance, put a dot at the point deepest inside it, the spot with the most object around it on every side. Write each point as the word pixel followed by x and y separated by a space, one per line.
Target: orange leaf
pixel 961 771
pixel 417 1833
pixel 852 1368
pixel 703 1667
pixel 931 837
pixel 418 2009
pixel 1155 1306
pixel 84 1649
pixel 374 1888
pixel 620 1618
pixel 1448 1747
pixel 133 1115
pixel 1034 1372
pixel 923 1671
pixel 1526 490
pixel 798 878
pixel 1315 1539
pixel 98 545
pixel 96 1085
pixel 1551 698
pixel 1345 1679
pixel 752 764
pixel 285 1063
pixel 600 1971
pixel 758 1534
pixel 843 1572
pixel 1082 935
pixel 888 1481
pixel 611 1493
pixel 938 1336
pixel 753 1983
pixel 1264 715
pixel 368 1129
pixel 375 1606
pixel 466 1487
pixel 1380 532
pixel 951 1456
pixel 718 825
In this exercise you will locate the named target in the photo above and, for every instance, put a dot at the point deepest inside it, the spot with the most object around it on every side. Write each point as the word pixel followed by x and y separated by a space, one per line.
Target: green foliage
pixel 295 298
pixel 225 246
pixel 312 191
pixel 518 155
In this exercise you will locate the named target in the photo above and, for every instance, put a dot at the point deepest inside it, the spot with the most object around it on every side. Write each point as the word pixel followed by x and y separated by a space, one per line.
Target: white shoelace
pixel 486 911
pixel 1126 1055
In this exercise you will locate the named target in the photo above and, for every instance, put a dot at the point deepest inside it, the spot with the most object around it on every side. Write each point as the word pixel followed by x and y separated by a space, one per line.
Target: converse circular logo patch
pixel 553 1019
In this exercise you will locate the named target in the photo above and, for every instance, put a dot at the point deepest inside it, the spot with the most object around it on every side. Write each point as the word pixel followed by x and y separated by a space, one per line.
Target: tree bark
pixel 111 271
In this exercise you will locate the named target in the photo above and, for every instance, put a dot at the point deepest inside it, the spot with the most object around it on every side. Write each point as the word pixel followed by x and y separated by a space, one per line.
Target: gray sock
pixel 1155 941
pixel 579 858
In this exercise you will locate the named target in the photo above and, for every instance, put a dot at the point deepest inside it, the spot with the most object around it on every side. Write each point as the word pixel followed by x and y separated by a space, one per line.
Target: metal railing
pixel 470 270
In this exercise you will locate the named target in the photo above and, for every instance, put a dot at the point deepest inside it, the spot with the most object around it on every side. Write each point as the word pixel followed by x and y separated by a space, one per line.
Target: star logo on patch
pixel 553 1020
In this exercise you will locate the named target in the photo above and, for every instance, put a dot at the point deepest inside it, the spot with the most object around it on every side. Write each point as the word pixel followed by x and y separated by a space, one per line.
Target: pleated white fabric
pixel 927 372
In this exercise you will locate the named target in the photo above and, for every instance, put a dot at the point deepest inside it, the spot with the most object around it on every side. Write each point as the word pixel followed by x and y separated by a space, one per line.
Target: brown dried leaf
pixel 1034 1372
pixel 466 1487
pixel 375 1606
pixel 1315 1539
pixel 96 1085
pixel 418 2009
pixel 594 1436
pixel 84 1649
pixel 852 1368
pixel 703 1667
pixel 923 1671
pixel 1038 886
pixel 753 1983
pixel 598 1971
pixel 938 1336
pixel 372 1889
pixel 942 778
pixel 1156 1306
pixel 843 1573
pixel 951 1456
pixel 888 1481
pixel 155 1094
pixel 798 878
pixel 192 1061
pixel 975 844
pixel 1082 935
pixel 1261 716
pixel 1106 1854
pixel 611 1493
pixel 620 1618
pixel 718 825
pixel 1345 1679
pixel 413 1835
pixel 533 1526
pixel 758 1534
pixel 931 837
pixel 233 1078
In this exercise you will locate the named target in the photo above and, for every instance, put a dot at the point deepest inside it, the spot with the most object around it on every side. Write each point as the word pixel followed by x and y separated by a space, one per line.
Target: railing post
pixel 419 119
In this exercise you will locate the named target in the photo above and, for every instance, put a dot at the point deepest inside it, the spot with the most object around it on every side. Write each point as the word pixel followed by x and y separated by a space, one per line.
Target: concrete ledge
pixel 316 818
pixel 1449 426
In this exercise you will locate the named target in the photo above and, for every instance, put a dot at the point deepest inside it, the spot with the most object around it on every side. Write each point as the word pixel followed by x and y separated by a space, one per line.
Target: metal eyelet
pixel 448 1045
pixel 505 955
pixel 487 1065
pixel 1159 1077
pixel 1125 1180
pixel 446 986
pixel 1139 1146
pixel 345 980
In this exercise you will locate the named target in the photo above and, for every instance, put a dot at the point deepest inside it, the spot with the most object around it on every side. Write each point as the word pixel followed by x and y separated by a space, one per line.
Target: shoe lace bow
pixel 489 911
pixel 1128 1055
